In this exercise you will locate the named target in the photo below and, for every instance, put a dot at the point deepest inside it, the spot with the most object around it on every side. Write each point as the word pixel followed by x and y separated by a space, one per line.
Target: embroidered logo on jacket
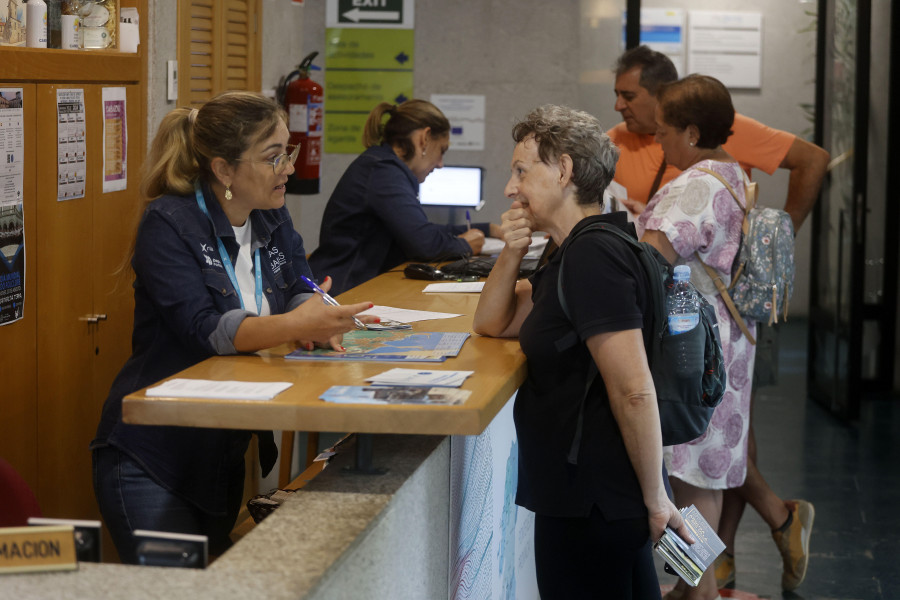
pixel 212 261
pixel 277 258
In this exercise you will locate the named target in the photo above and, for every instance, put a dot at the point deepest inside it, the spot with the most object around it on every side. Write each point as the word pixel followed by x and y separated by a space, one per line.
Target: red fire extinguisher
pixel 303 98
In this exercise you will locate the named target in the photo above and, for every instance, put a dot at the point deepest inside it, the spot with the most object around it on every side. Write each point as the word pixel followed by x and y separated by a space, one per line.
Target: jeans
pixel 129 499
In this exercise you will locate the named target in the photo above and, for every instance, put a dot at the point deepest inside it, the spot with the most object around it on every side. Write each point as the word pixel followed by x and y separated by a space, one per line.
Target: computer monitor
pixel 453 186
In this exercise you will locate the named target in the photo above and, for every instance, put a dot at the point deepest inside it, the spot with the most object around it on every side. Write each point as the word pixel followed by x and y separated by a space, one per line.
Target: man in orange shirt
pixel 641 170
pixel 639 73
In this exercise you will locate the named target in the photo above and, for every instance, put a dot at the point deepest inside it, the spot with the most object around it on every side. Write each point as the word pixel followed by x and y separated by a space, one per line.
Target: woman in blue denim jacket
pixel 217 266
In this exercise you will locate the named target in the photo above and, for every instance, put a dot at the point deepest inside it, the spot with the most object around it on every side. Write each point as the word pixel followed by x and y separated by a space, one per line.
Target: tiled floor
pixel 850 472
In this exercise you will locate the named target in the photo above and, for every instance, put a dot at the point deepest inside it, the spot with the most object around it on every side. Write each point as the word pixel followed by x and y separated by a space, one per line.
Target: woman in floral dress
pixel 695 218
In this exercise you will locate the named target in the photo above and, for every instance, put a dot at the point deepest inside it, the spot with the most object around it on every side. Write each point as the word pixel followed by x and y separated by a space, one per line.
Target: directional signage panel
pixel 371 14
pixel 369 49
pixel 363 67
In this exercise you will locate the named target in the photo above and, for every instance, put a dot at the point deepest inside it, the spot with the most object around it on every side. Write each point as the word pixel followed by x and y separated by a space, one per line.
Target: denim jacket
pixel 186 310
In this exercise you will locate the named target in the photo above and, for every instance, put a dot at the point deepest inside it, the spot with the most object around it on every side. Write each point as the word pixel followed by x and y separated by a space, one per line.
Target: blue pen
pixel 468 220
pixel 328 299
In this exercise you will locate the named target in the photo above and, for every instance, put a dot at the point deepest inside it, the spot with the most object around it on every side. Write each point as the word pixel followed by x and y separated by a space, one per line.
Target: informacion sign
pixel 115 140
pixel 71 148
pixel 466 116
pixel 370 14
pixel 30 549
pixel 727 46
pixel 363 67
pixel 12 218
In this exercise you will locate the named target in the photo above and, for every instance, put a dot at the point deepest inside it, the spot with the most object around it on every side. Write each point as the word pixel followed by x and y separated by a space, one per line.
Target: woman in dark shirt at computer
pixel 373 221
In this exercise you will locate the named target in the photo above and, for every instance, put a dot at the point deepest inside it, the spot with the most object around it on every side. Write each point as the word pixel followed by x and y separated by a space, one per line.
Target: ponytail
pixel 404 119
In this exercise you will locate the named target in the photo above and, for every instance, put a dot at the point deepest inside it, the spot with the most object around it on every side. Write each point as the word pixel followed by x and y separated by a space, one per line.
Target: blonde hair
pixel 404 119
pixel 188 139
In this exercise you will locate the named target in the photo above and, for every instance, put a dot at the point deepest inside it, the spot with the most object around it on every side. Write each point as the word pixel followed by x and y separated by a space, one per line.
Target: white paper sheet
pixel 473 287
pixel 225 390
pixel 405 315
pixel 419 377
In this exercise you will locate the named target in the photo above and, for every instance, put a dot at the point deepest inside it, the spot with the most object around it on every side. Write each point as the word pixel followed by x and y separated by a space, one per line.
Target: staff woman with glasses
pixel 217 267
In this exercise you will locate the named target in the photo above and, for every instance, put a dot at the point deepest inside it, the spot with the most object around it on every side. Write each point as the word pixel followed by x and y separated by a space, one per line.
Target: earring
pixel 228 193
pixel 423 153
pixel 691 144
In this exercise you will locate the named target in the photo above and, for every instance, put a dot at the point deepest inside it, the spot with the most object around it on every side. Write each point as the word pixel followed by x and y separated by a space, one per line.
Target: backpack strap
pixel 657 181
pixel 572 456
pixel 726 297
pixel 750 194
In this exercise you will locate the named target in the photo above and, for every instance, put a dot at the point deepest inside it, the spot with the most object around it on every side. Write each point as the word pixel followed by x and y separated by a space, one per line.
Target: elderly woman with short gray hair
pixel 597 512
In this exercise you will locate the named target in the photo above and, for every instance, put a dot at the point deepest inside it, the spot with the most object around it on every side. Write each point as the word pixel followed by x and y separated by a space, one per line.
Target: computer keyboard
pixel 482 265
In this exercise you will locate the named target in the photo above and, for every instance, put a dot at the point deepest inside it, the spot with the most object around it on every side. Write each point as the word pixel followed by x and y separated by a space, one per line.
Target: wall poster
pixel 71 147
pixel 12 221
pixel 115 140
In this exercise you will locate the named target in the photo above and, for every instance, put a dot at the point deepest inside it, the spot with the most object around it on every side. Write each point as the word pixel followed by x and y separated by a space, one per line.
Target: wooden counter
pixel 498 364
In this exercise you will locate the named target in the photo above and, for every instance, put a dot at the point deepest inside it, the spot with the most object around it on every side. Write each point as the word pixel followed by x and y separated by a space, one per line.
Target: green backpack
pixel 688 369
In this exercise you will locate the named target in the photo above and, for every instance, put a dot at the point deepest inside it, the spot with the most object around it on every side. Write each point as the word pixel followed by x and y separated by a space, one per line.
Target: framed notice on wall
pixel 727 46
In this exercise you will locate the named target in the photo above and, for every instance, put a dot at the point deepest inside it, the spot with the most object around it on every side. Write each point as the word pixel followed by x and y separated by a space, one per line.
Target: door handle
pixel 93 318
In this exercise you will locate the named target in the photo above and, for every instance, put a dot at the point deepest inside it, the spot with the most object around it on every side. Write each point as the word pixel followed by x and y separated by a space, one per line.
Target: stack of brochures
pixel 690 561
pixel 381 394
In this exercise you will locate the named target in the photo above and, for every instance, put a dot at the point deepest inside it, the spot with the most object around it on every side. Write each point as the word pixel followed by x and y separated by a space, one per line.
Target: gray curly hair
pixel 562 130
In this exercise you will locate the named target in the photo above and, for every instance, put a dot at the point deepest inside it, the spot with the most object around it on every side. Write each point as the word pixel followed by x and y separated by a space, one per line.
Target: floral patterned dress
pixel 697 213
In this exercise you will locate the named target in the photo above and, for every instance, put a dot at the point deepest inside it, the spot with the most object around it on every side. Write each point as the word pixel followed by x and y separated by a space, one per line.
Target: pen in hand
pixel 468 220
pixel 328 299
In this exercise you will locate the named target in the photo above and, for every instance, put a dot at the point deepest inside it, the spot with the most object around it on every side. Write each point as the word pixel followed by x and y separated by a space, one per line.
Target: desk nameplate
pixel 42 548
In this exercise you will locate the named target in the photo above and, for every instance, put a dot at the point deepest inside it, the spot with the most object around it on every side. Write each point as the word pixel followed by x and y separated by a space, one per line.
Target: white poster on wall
pixel 115 140
pixel 71 148
pixel 727 46
pixel 466 116
pixel 662 29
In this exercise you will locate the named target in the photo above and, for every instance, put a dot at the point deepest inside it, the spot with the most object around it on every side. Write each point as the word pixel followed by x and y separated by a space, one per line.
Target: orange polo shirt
pixel 753 145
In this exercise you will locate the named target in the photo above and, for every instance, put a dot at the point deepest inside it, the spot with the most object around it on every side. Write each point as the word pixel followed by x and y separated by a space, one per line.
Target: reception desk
pixel 439 523
pixel 498 365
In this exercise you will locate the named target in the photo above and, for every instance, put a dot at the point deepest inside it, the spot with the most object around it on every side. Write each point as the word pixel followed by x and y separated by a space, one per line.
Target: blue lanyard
pixel 226 260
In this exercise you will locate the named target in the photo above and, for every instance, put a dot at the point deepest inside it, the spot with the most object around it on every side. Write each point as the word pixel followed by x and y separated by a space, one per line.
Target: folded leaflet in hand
pixel 690 561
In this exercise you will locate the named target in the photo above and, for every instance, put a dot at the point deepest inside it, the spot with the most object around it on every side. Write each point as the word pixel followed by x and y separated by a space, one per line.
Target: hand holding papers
pixel 690 561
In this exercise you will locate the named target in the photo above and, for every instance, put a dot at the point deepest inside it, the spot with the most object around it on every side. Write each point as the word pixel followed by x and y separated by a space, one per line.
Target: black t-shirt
pixel 606 290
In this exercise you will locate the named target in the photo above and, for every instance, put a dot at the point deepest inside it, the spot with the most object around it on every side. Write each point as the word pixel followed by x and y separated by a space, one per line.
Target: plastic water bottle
pixel 682 302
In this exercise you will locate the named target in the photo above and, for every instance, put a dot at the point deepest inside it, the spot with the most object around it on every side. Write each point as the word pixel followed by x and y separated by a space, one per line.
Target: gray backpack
pixel 762 277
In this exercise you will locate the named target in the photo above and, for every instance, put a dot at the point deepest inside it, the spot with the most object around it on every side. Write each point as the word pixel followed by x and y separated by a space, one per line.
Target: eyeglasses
pixel 279 163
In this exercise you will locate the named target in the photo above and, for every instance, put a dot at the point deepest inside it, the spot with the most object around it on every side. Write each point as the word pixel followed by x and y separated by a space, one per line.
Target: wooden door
pixel 65 337
pixel 18 377
pixel 82 243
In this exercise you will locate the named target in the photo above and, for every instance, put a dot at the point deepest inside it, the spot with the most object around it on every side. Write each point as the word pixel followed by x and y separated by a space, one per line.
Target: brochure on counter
pixel 418 377
pixel 390 346
pixel 379 394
